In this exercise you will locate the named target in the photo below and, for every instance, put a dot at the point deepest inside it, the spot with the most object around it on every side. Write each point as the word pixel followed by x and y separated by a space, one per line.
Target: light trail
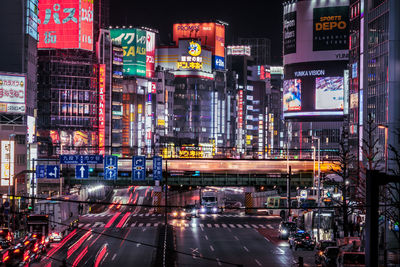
pixel 122 221
pixel 100 256
pixel 80 256
pixel 112 220
pixel 78 243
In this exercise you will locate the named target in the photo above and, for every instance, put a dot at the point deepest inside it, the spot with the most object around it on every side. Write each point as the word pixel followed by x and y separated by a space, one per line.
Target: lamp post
pixel 9 177
pixel 382 126
pixel 318 184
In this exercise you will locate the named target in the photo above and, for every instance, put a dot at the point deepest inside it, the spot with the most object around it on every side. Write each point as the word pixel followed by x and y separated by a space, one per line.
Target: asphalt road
pixel 127 236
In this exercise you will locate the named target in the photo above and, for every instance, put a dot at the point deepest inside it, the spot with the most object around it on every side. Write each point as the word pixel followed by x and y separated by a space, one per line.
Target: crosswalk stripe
pixel 201 225
pixel 133 224
pixel 96 224
pixel 232 226
pixel 140 224
pixel 224 225
pixel 146 214
pixel 216 225
pixel 262 226
pixel 148 224
pixel 87 225
pixel 80 225
pixel 239 226
pixel 247 226
pixel 141 215
pixel 270 226
pixel 155 224
pixel 209 225
pixel 254 226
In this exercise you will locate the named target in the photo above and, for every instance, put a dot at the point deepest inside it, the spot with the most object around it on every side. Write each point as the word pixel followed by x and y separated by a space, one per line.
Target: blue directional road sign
pixel 53 171
pixel 110 167
pixel 82 171
pixel 81 159
pixel 40 171
pixel 139 168
pixel 157 168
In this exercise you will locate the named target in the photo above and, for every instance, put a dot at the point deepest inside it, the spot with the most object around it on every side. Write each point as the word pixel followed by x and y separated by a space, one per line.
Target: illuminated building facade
pixel 18 71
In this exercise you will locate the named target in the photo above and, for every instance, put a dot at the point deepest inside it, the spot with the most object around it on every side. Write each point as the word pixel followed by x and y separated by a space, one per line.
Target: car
pixel 181 214
pixel 286 228
pixel 330 256
pixel 320 248
pixel 193 210
pixel 301 239
pixel 352 259
pixel 6 234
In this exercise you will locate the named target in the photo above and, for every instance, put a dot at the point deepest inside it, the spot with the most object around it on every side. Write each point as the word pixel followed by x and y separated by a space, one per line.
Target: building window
pixel 20 139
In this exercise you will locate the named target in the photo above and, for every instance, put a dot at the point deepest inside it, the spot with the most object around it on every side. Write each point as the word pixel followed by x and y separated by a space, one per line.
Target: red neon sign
pixel 150 54
pixel 66 24
pixel 102 108
pixel 240 109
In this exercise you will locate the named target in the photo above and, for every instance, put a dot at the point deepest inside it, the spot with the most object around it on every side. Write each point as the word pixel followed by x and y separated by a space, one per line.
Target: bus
pixel 278 206
pixel 325 220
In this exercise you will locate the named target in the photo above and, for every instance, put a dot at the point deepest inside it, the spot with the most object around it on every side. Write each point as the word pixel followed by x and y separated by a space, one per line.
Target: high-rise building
pixel 315 58
pixel 18 73
pixel 260 49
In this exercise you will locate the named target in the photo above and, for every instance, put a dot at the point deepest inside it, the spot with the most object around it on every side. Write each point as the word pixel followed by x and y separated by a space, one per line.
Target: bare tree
pixel 345 157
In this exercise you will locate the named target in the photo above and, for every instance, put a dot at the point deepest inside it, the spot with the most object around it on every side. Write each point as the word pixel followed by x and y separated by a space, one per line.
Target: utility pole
pixel 166 195
pixel 288 193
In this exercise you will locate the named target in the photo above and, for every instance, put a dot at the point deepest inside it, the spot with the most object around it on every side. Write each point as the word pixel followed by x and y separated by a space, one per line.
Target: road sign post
pixel 52 171
pixel 110 167
pixel 138 168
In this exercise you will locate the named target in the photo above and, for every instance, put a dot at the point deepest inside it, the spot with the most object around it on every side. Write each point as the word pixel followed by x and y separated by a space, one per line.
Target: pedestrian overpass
pixel 200 172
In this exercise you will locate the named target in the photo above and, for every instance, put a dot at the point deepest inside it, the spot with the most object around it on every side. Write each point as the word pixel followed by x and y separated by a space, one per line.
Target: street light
pixel 319 183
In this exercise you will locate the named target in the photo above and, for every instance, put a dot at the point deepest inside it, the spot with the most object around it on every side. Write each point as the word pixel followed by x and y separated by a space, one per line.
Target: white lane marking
pixel 206 237
pixel 219 263
pixel 246 248
pixel 212 248
pixel 280 250
pixel 259 264
pixel 138 244
pixel 113 257
pixel 267 239
pixel 141 215
pixel 236 237
pixel 146 214
pixel 239 226
pixel 224 225
pixel 270 226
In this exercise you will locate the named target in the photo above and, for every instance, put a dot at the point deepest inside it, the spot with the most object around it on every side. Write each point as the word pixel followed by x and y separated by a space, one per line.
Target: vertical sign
pixel 157 168
pixel 346 92
pixel 240 109
pixel 289 33
pixel 7 162
pixel 138 168
pixel 219 57
pixel 40 171
pixel 141 52
pixel 150 54
pixel 102 108
pixel 86 25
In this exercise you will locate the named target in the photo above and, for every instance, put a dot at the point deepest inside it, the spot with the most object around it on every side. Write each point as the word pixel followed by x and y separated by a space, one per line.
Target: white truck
pixel 212 201
pixel 62 216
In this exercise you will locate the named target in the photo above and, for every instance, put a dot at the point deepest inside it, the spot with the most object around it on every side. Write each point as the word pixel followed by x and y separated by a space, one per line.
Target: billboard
pixel 211 35
pixel 292 95
pixel 150 53
pixel 289 33
pixel 329 93
pixel 31 129
pixel 314 89
pixel 330 31
pixel 239 50
pixel 66 24
pixel 315 31
pixel 102 108
pixel 12 93
pixel 133 42
pixel 7 162
pixel 73 142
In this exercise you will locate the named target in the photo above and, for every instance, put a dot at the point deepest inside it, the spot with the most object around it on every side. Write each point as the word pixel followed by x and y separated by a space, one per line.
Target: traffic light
pixel 30 207
pixel 91 170
pixel 328 194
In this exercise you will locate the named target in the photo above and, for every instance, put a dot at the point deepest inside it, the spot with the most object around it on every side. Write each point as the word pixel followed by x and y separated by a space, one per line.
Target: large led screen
pixel 314 89
pixel 66 24
pixel 329 93
pixel 292 95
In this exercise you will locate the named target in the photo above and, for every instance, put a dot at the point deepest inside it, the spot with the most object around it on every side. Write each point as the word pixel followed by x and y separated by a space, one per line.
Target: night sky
pixel 245 18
